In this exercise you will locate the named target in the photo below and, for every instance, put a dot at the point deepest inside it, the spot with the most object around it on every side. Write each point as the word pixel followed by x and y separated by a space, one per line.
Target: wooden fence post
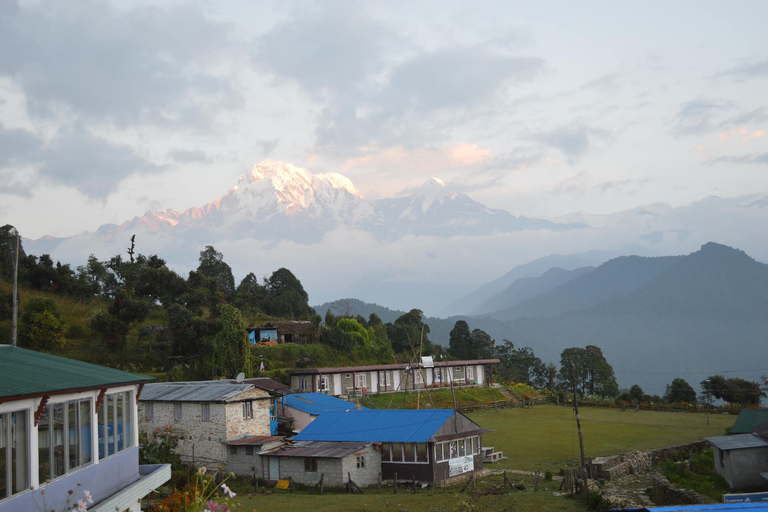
pixel 414 483
pixel 322 478
pixel 395 483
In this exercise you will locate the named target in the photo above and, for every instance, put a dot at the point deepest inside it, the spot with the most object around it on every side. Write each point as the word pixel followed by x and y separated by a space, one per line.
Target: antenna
pixel 240 377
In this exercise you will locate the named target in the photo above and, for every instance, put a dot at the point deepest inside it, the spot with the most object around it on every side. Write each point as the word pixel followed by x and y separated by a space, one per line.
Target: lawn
pixel 545 437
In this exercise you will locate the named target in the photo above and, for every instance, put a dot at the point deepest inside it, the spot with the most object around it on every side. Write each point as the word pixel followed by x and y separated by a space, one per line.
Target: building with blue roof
pixel 303 408
pixel 426 444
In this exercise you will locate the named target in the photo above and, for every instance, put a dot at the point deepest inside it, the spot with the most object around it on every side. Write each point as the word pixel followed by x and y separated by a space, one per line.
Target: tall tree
pixel 594 376
pixel 212 265
pixel 287 298
pixel 232 347
pixel 409 332
pixel 42 326
pixel 459 340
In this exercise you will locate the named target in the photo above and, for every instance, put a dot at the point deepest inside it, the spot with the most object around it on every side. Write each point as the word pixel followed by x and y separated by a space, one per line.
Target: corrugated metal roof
pixel 401 425
pixel 28 373
pixel 752 507
pixel 320 449
pixel 203 391
pixel 738 442
pixel 315 403
pixel 749 419
pixel 377 367
pixel 254 440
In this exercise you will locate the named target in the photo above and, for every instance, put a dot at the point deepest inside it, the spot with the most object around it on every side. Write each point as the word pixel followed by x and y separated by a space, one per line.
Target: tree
pixel 592 373
pixel 250 295
pixel 232 349
pixel 347 334
pixel 42 326
pixel 287 298
pixel 409 332
pixel 735 390
pixel 481 345
pixel 212 265
pixel 459 340
pixel 680 391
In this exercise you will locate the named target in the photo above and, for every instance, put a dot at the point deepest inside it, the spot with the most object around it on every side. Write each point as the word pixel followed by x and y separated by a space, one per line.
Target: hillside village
pixel 251 380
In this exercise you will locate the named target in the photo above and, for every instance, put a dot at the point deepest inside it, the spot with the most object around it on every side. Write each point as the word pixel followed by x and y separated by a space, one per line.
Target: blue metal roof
pixel 382 426
pixel 752 507
pixel 315 403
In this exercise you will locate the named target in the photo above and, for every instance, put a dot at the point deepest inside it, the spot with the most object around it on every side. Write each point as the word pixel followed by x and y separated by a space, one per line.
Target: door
pixel 274 468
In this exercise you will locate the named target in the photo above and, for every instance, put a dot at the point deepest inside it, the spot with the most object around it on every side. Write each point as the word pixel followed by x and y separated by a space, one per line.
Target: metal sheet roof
pixel 25 373
pixel 378 367
pixel 749 419
pixel 254 440
pixel 401 425
pixel 320 449
pixel 204 391
pixel 752 507
pixel 738 442
pixel 315 403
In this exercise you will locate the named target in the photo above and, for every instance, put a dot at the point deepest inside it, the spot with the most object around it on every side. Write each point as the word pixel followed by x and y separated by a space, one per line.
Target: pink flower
pixel 88 496
pixel 81 506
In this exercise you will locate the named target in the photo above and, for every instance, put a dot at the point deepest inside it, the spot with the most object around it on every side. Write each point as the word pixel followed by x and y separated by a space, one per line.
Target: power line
pixel 712 372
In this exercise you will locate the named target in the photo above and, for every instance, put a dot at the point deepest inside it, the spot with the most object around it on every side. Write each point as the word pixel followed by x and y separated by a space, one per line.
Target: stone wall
pixel 633 463
pixel 369 475
pixel 666 493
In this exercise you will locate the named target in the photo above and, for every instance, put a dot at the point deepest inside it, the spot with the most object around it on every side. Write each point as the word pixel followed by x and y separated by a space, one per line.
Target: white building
pixel 64 422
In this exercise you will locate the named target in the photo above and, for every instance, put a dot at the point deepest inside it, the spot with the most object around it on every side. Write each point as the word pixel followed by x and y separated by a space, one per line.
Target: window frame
pixel 247 410
pixel 205 412
pixel 361 461
pixel 8 424
pixel 149 411
pixel 310 464
pixel 178 411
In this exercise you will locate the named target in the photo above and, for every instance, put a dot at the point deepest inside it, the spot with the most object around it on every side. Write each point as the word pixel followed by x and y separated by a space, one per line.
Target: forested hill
pixel 355 307
pixel 706 313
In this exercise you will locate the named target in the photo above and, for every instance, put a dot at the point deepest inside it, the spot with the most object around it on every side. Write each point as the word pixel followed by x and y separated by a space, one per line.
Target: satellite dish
pixel 240 377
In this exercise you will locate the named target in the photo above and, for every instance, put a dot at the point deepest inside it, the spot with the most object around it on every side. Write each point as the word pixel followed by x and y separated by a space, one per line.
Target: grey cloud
pixel 185 157
pixel 574 140
pixel 267 146
pixel 331 46
pixel 695 117
pixel 760 159
pixel 744 72
pixel 92 165
pixel 126 66
pixel 609 82
pixel 13 187
pixel 17 146
pixel 755 116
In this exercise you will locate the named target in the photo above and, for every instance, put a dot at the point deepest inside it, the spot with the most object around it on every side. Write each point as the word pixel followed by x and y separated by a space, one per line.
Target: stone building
pixel 387 378
pixel 305 462
pixel 67 427
pixel 243 457
pixel 742 459
pixel 205 415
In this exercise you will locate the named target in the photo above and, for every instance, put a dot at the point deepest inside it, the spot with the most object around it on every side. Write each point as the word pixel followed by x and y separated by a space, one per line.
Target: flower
pixel 202 470
pixel 227 491
pixel 81 506
pixel 88 496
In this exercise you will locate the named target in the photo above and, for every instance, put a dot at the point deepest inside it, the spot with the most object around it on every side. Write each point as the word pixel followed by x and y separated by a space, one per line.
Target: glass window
pixel 361 461
pixel 454 449
pixel 397 452
pixel 409 453
pixel 177 411
pixel 386 455
pixel 85 431
pixel 120 421
pixel 247 410
pixel 14 463
pixel 310 465
pixel 470 372
pixel 325 384
pixel 115 424
pixel 206 412
pixel 149 410
pixel 421 453
pixel 58 427
pixel 462 448
pixel 249 450
pixel 73 451
pixel 4 452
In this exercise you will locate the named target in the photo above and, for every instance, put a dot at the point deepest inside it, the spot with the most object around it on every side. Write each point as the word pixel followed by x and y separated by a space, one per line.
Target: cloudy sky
pixel 111 109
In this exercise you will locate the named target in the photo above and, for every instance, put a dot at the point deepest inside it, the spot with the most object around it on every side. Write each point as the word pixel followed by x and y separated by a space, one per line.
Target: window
pixel 361 380
pixel 114 427
pixel 14 462
pixel 462 447
pixel 310 465
pixel 361 461
pixel 247 410
pixel 303 384
pixel 149 410
pixel 233 450
pixel 422 451
pixel 64 434
pixel 454 449
pixel 249 450
pixel 206 412
pixel 397 453
pixel 722 457
pixel 325 383
pixel 177 411
pixel 409 455
pixel 418 376
pixel 470 373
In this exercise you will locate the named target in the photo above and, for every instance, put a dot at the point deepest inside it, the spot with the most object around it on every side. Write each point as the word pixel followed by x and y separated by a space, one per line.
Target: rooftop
pixel 738 442
pixel 202 391
pixel 26 373
pixel 322 449
pixel 315 403
pixel 376 426
pixel 749 419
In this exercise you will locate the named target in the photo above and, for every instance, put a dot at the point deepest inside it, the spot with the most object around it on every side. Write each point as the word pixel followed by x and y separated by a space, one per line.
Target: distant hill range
pixel 655 318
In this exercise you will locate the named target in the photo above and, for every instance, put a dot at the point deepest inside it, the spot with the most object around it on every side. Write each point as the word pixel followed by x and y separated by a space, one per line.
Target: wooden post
pixel 290 484
pixel 379 482
pixel 581 437
pixel 536 485
pixel 433 484
pixel 414 483
pixel 255 483
pixel 444 487
pixel 322 478
pixel 474 482
pixel 395 483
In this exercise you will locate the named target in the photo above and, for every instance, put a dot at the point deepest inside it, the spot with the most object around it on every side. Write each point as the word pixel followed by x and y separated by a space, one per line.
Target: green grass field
pixel 545 437
pixel 540 438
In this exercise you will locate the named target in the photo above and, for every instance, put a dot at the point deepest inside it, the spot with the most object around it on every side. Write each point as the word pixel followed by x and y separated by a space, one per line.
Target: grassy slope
pixel 440 398
pixel 545 437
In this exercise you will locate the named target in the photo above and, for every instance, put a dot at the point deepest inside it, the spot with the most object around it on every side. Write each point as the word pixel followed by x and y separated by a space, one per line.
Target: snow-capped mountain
pixel 280 201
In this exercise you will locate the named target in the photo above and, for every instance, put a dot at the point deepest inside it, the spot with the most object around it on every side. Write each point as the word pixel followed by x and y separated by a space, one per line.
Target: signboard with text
pixel 752 497
pixel 460 465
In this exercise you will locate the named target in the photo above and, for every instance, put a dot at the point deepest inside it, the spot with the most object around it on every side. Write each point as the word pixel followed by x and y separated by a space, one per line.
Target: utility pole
pixel 15 233
pixel 581 438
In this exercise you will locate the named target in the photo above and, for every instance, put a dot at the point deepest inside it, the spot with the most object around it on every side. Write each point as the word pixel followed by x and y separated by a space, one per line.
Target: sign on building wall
pixel 460 465
pixel 755 497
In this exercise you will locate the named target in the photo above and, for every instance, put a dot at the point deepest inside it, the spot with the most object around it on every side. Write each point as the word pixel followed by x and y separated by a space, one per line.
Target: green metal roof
pixel 25 373
pixel 749 419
